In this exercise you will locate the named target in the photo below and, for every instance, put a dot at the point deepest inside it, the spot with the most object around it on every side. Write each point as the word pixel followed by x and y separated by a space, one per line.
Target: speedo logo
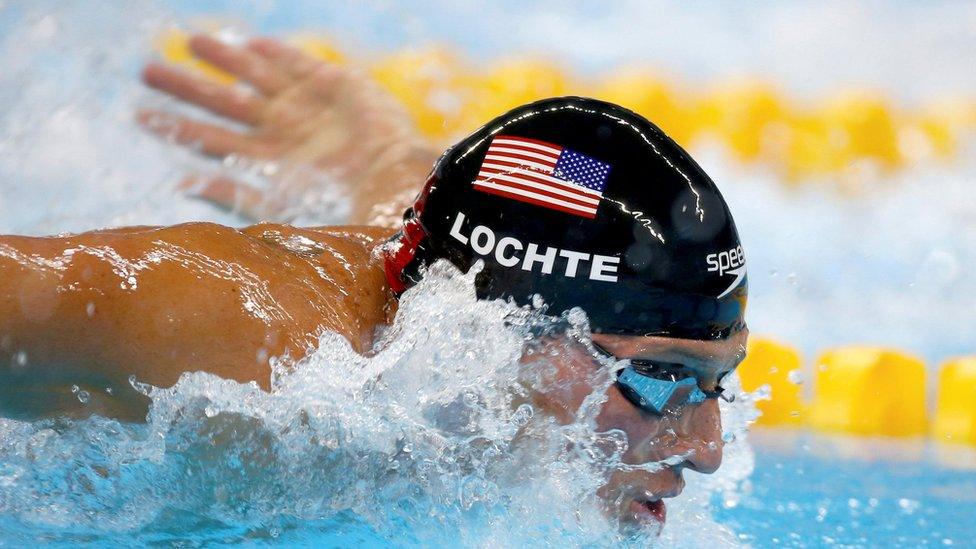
pixel 513 253
pixel 728 262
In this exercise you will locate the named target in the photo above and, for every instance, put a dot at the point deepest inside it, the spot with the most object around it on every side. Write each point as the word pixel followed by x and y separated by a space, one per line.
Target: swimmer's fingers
pixel 241 62
pixel 227 101
pixel 227 194
pixel 287 58
pixel 210 139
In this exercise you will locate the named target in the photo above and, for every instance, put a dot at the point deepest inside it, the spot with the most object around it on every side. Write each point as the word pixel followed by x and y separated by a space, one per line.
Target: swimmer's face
pixel 688 438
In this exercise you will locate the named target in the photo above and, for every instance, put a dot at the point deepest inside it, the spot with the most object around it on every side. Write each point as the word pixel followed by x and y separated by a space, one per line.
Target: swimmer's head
pixel 583 203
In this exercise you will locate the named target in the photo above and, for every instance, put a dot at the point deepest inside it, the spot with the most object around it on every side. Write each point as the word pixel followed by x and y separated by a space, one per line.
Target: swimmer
pixel 575 201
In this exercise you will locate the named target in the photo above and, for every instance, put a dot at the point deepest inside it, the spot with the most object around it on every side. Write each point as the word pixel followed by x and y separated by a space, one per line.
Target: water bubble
pixel 142 388
pixel 728 437
pixel 20 359
pixel 795 376
pixel 269 169
pixel 522 415
pixel 84 397
pixel 90 309
pixel 908 506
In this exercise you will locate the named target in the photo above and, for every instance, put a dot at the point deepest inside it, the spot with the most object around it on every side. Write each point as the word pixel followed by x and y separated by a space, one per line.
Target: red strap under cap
pixel 396 260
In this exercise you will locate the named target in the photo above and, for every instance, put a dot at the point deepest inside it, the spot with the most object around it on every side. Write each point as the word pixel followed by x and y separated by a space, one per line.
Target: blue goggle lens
pixel 658 395
pixel 655 388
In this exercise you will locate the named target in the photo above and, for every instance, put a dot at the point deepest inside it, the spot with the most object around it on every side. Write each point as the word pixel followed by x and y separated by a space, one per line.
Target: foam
pixel 432 435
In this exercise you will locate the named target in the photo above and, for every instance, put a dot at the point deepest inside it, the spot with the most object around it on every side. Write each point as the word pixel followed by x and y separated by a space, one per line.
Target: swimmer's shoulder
pixel 351 241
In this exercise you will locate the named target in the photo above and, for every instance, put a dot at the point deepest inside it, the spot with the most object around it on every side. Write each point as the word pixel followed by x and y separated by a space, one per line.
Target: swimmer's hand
pixel 304 124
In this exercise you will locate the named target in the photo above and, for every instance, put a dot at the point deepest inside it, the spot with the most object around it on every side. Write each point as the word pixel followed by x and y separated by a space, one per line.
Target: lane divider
pixel 842 138
pixel 861 390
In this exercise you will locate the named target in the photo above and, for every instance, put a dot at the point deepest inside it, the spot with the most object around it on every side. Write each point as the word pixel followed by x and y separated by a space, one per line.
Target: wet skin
pixel 92 309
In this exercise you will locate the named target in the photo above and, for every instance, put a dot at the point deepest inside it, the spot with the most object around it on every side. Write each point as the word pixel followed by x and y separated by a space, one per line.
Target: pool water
pixel 817 490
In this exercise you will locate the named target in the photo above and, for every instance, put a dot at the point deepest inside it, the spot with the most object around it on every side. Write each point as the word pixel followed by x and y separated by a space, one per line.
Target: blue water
pixel 816 490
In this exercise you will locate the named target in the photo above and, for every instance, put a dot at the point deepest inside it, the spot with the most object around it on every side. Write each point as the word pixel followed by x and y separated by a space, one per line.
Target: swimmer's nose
pixel 702 438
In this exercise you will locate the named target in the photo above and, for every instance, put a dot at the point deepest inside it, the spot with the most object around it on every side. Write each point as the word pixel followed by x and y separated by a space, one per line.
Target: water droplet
pixel 90 309
pixel 795 377
pixel 20 359
pixel 83 397
pixel 908 506
pixel 269 169
pixel 728 437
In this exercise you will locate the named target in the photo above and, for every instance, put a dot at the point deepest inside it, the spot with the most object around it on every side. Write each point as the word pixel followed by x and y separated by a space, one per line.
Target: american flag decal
pixel 544 174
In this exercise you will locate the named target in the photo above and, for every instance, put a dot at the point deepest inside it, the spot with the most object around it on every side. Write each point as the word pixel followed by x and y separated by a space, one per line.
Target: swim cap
pixel 586 204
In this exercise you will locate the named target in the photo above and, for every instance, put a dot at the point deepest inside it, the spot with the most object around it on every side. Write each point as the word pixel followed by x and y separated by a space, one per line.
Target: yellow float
pixel 869 391
pixel 174 46
pixel 649 95
pixel 431 84
pixel 869 128
pixel 741 114
pixel 955 411
pixel 319 48
pixel 778 367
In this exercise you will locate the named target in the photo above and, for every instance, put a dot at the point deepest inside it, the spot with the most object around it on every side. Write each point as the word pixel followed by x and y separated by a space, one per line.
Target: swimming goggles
pixel 656 386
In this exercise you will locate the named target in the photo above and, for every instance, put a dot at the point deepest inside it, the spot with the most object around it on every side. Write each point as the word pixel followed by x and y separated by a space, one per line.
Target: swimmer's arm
pixel 44 343
pixel 299 112
pixel 92 309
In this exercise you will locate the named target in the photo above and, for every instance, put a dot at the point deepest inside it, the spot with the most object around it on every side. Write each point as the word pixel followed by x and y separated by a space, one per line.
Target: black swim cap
pixel 586 204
